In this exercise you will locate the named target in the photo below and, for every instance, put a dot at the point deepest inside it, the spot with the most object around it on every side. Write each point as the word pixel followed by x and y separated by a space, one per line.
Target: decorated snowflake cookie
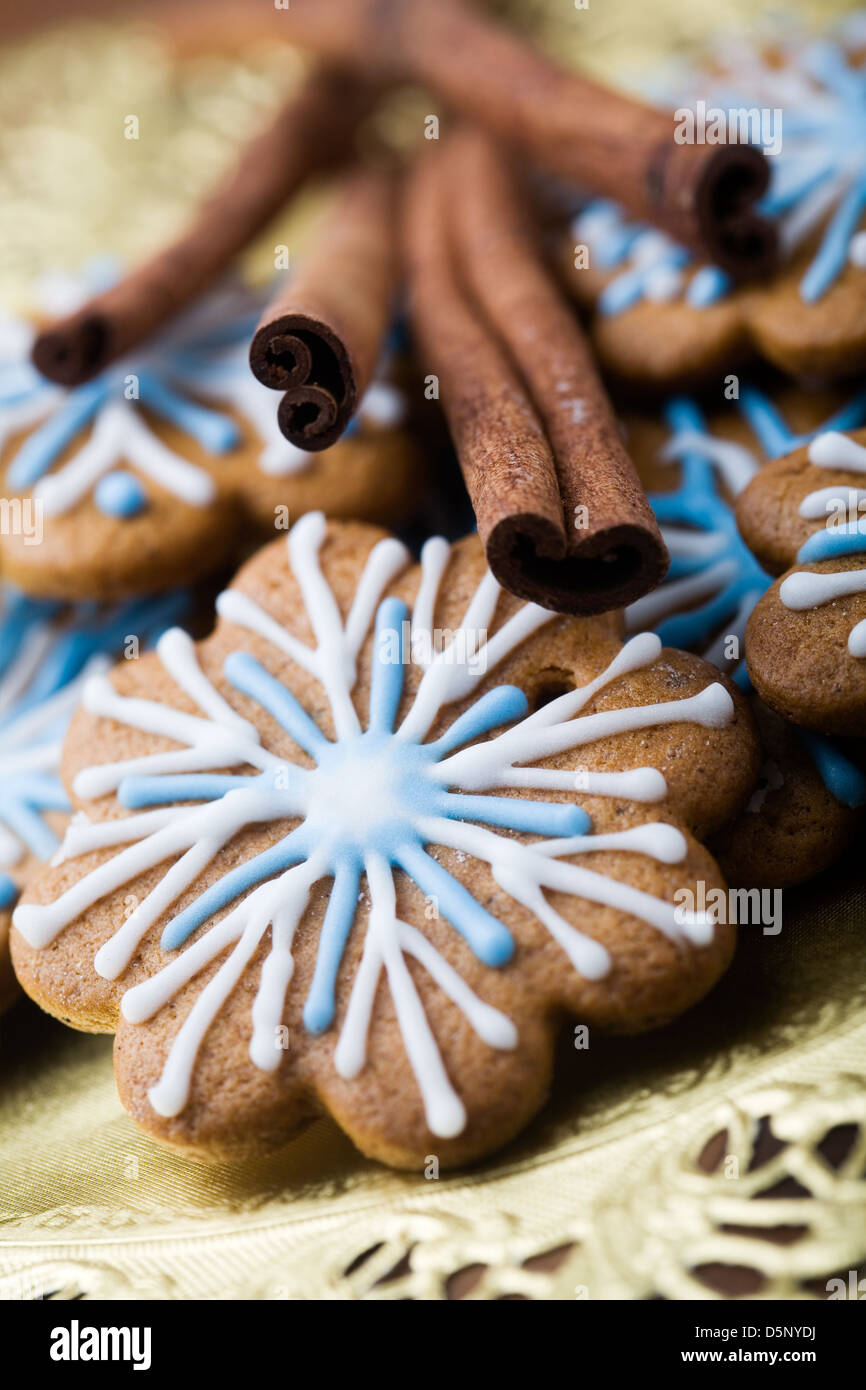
pixel 661 319
pixel 805 516
pixel 47 651
pixel 360 850
pixel 147 476
pixel 808 803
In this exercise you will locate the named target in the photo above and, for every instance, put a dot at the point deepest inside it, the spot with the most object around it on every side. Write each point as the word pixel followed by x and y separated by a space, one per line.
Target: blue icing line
pixel 822 144
pixel 510 813
pixel 249 677
pixel 89 630
pixel 489 939
pixel 834 542
pixel 842 779
pixel 708 285
pixel 616 246
pixel 320 1005
pixel 697 502
pixel 391 837
pixel 137 792
pixel 213 431
pixel 17 620
pixel 501 705
pixel 24 797
pixel 48 441
pixel 120 494
pixel 386 681
pixel 19 381
pixel 8 892
pixel 630 286
pixel 833 253
pixel 829 64
pixel 292 849
pixel 172 365
pixel 767 423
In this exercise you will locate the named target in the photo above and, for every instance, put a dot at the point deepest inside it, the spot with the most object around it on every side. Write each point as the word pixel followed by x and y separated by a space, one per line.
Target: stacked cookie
pixel 754 473
pixel 121 494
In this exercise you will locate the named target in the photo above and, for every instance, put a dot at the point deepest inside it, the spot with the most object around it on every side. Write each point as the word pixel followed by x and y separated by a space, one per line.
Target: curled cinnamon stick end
pixel 710 195
pixel 312 130
pixel 560 509
pixel 320 339
pixel 596 138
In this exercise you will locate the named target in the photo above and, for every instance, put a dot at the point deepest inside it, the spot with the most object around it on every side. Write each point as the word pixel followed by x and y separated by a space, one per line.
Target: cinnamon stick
pixel 312 130
pixel 560 509
pixel 702 195
pixel 320 339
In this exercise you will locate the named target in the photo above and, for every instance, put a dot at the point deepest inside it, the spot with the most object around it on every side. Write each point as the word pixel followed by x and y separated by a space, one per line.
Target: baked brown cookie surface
pixel 806 639
pixel 662 321
pixel 362 849
pixel 46 653
pixel 149 476
pixel 697 467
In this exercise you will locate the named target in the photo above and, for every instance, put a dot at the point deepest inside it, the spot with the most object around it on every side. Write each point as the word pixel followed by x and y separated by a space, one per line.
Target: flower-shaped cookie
pixel 146 476
pixel 807 806
pixel 46 653
pixel 662 320
pixel 804 516
pixel 362 848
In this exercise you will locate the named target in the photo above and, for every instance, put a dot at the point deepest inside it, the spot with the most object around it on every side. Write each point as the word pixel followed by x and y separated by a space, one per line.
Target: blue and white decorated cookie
pixel 663 319
pixel 805 518
pixel 150 475
pixel 359 850
pixel 705 472
pixel 47 653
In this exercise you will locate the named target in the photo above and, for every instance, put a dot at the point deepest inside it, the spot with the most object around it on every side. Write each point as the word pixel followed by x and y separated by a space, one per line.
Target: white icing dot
pixel 857 250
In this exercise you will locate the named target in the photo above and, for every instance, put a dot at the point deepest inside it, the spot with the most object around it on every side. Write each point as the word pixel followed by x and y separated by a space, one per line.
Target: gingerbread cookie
pixel 360 850
pixel 805 811
pixel 146 476
pixel 807 807
pixel 663 321
pixel 806 639
pixel 46 653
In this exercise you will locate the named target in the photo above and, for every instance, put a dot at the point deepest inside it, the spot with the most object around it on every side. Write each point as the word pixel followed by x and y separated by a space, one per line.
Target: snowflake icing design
pixel 802 589
pixel 203 355
pixel 46 656
pixel 714 580
pixel 411 794
pixel 818 177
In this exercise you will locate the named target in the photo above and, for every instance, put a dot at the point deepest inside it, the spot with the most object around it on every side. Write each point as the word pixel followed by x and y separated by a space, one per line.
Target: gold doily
pixel 724 1154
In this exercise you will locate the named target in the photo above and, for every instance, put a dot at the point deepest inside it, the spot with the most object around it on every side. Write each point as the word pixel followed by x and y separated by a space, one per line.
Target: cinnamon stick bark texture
pixel 314 129
pixel 560 509
pixel 320 339
pixel 703 195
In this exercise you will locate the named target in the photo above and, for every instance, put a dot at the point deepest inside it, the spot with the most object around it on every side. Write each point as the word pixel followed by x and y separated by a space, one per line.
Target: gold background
pixel 677 1165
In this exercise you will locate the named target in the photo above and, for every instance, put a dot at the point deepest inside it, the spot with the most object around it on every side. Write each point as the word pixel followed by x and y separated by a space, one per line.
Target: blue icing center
pixel 342 824
pixel 120 494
